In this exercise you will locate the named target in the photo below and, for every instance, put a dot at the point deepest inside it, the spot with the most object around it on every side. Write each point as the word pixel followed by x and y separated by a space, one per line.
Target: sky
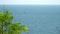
pixel 33 2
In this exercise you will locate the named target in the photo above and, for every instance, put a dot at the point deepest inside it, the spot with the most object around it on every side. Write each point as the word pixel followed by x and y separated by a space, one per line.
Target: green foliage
pixel 6 25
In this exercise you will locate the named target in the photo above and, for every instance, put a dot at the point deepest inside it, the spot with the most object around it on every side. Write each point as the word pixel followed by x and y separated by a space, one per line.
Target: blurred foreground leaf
pixel 7 26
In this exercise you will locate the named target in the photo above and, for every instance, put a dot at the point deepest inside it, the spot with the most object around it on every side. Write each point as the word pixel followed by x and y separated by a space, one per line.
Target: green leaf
pixel 7 26
pixel 25 28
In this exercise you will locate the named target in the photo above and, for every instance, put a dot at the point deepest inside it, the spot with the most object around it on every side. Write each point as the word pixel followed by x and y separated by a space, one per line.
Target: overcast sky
pixel 51 2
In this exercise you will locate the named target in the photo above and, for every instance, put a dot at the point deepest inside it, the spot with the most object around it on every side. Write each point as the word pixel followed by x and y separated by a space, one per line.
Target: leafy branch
pixel 7 26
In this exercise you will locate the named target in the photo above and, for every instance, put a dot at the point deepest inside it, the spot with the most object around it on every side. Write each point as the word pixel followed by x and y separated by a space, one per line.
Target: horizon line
pixel 29 4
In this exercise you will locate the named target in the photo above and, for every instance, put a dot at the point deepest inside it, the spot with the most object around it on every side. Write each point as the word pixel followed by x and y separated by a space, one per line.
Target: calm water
pixel 41 19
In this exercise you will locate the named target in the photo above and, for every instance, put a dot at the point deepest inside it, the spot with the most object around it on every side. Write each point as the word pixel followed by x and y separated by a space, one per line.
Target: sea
pixel 40 19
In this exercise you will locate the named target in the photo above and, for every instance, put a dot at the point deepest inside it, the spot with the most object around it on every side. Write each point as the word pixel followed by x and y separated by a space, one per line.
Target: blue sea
pixel 40 19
